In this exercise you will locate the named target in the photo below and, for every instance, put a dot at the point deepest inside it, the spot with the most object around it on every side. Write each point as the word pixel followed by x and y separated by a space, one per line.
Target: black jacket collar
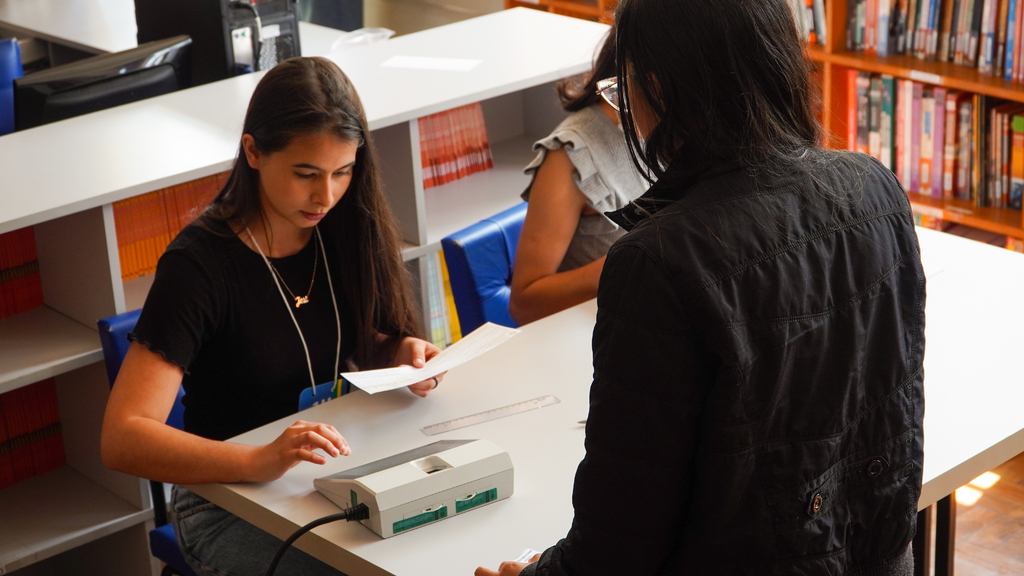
pixel 670 188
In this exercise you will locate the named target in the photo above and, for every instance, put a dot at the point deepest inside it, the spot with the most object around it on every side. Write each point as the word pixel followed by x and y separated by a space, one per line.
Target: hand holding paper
pixel 481 340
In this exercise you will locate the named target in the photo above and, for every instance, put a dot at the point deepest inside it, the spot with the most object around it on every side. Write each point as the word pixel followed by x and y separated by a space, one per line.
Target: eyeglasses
pixel 609 90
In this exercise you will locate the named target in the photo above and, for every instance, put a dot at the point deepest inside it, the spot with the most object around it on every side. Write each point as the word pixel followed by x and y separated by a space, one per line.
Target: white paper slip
pixel 483 339
pixel 431 63
pixel 526 555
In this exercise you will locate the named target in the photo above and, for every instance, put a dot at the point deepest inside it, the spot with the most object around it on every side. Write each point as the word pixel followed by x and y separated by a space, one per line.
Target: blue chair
pixel 163 543
pixel 10 68
pixel 480 260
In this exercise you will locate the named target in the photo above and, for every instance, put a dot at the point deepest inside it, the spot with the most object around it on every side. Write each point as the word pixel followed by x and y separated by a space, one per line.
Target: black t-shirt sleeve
pixel 180 311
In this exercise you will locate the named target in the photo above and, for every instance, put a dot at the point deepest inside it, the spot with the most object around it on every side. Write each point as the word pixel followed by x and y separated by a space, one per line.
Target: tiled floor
pixel 990 532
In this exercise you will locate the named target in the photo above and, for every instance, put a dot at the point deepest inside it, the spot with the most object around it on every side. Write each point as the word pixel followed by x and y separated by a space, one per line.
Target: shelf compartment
pixel 458 204
pixel 998 220
pixel 41 343
pixel 56 512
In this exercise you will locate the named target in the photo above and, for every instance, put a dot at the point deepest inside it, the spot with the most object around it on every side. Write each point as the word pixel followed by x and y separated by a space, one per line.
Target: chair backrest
pixel 114 340
pixel 10 68
pixel 480 259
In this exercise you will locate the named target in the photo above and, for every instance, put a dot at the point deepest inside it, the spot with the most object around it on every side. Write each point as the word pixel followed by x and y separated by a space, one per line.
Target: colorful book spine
pixel 875 117
pixel 884 12
pixel 951 32
pixel 821 25
pixel 1017 171
pixel 1005 156
pixel 912 10
pixel 20 283
pixel 903 125
pixel 974 36
pixel 1001 33
pixel 888 87
pixel 31 442
pixel 453 145
pixel 979 150
pixel 962 181
pixel 927 146
pixel 1013 58
pixel 851 109
pixel 939 141
pixel 1011 39
pixel 871 26
pixel 455 329
pixel 915 135
pixel 863 111
pixel 147 223
pixel 986 38
pixel 949 153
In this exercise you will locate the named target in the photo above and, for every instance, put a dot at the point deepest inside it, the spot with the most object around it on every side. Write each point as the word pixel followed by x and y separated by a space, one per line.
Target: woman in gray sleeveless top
pixel 581 171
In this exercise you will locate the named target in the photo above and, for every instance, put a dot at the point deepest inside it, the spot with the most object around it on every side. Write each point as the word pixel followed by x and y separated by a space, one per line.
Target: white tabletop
pixel 96 26
pixel 973 423
pixel 551 356
pixel 91 160
pixel 974 388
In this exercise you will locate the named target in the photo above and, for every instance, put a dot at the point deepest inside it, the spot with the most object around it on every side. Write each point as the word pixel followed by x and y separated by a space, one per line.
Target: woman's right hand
pixel 297 444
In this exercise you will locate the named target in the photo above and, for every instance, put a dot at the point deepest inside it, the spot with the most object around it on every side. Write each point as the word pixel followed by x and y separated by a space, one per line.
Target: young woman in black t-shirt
pixel 293 268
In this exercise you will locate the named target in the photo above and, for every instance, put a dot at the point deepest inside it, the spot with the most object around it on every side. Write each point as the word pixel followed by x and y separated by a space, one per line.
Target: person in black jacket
pixel 758 393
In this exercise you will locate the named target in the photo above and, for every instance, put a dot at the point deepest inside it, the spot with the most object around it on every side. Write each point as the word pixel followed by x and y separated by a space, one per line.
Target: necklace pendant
pixel 300 300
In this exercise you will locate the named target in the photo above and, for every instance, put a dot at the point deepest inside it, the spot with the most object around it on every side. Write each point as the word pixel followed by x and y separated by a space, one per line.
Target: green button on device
pixel 419 520
pixel 476 500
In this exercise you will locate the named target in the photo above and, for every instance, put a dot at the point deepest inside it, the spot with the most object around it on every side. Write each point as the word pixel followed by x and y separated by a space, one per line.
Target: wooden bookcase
pixel 834 61
pixel 597 10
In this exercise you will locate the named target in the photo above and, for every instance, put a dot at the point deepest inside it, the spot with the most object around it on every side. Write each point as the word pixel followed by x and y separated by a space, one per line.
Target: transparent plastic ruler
pixel 488 415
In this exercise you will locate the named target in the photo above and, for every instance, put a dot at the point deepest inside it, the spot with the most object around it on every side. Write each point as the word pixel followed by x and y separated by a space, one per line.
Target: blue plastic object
pixel 114 340
pixel 480 259
pixel 163 543
pixel 10 68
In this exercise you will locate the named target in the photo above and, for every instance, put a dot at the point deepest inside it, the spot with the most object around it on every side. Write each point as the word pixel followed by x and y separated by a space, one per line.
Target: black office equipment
pixel 229 36
pixel 340 14
pixel 102 82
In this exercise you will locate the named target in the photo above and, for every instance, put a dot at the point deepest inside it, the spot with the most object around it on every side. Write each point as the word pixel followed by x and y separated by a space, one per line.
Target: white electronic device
pixel 423 485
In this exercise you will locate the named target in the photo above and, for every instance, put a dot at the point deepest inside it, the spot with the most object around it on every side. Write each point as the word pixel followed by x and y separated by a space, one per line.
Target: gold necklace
pixel 300 300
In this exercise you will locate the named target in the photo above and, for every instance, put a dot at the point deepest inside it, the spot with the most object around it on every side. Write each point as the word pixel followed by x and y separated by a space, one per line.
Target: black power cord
pixel 357 512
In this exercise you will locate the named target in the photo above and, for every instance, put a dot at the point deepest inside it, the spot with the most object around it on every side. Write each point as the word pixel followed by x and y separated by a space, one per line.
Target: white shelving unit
pixel 85 519
pixel 88 512
pixel 42 343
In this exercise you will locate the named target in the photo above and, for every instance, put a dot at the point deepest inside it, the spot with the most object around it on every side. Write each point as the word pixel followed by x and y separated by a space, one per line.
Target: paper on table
pixel 472 345
pixel 431 63
pixel 526 555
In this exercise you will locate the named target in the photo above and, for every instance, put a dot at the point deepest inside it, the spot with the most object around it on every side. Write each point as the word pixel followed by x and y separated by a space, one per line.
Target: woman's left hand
pixel 415 352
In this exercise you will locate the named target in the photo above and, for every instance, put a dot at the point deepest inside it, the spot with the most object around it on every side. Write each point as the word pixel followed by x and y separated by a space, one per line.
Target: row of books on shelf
pixel 31 442
pixel 20 286
pixel 987 237
pixel 940 143
pixel 453 145
pixel 982 34
pixel 146 224
pixel 443 321
pixel 810 20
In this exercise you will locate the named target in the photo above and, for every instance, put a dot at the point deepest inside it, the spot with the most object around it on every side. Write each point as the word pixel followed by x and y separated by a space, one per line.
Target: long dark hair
pixel 579 92
pixel 727 80
pixel 307 96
